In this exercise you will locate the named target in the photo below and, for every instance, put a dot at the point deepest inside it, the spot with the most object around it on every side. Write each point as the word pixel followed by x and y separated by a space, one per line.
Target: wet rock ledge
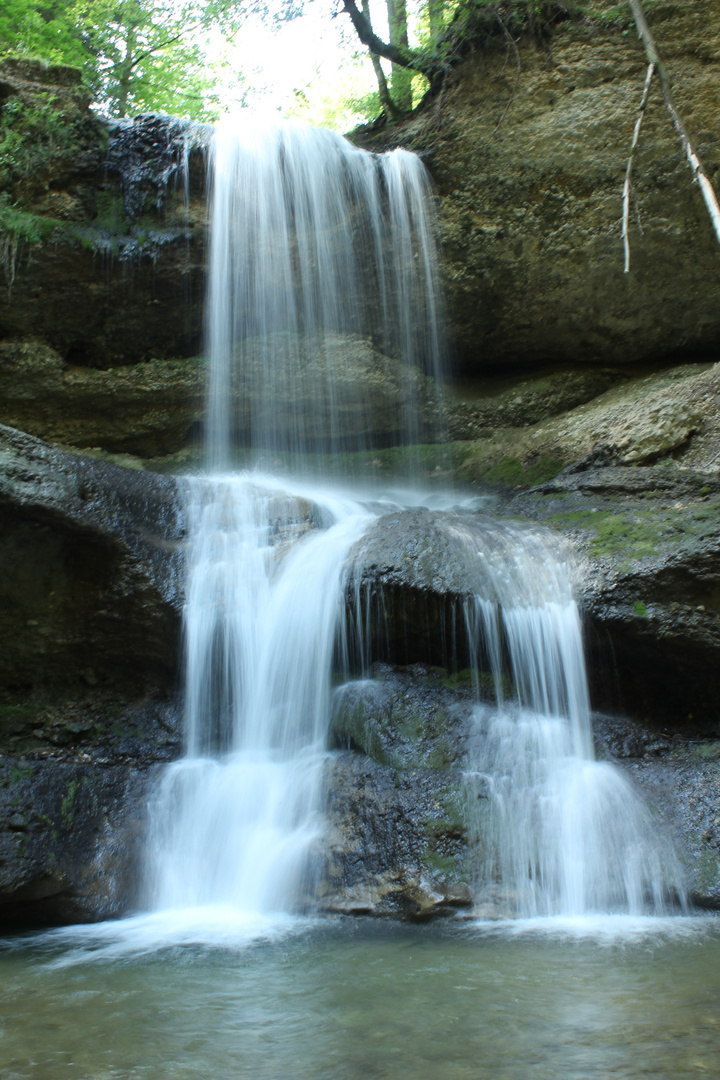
pixel 90 621
pixel 91 557
pixel 90 607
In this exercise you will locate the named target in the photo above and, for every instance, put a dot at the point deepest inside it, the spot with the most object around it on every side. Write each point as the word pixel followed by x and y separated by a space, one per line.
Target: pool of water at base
pixel 339 1000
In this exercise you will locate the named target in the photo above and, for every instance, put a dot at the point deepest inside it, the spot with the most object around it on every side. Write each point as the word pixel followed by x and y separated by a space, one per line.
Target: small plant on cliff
pixel 32 136
pixel 67 807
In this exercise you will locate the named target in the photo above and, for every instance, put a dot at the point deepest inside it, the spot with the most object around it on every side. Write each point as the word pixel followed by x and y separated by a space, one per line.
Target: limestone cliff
pixel 103 226
pixel 529 149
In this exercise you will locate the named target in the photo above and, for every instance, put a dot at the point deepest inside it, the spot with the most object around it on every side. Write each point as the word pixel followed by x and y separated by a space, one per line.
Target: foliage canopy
pixel 135 55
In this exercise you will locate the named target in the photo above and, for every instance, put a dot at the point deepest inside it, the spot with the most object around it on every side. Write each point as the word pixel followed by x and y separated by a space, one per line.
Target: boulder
pixel 396 840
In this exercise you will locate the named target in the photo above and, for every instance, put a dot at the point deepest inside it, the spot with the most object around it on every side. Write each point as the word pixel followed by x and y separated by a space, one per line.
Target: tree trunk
pixel 409 58
pixel 386 101
pixel 401 78
pixel 125 70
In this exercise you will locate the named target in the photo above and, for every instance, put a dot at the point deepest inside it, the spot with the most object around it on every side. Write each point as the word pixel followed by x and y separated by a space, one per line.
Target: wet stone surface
pixel 397 840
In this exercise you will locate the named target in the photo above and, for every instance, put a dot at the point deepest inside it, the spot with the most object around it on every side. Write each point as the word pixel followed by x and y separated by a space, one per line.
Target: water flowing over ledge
pixel 317 249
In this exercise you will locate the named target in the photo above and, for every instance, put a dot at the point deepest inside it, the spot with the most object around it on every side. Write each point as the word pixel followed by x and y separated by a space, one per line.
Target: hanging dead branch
pixel 653 57
pixel 628 174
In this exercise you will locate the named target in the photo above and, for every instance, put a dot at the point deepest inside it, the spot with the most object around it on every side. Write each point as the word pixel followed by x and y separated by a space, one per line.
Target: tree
pixel 386 101
pixel 144 55
pixel 135 55
pixel 398 33
pixel 398 53
pixel 453 27
pixel 40 29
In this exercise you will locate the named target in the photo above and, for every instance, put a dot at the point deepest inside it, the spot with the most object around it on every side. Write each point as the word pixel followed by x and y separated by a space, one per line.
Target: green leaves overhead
pixel 135 55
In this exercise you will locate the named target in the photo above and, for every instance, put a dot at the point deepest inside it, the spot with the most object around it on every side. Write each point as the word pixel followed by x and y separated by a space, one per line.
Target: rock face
pixel 144 409
pixel 90 597
pixel 71 839
pixel 91 564
pixel 90 570
pixel 649 585
pixel 103 234
pixel 399 812
pixel 342 392
pixel 647 541
pixel 98 209
pixel 670 416
pixel 102 252
pixel 529 152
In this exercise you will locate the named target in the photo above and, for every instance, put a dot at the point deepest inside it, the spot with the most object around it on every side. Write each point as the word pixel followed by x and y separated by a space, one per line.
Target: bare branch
pixel 628 174
pixel 651 51
pixel 407 58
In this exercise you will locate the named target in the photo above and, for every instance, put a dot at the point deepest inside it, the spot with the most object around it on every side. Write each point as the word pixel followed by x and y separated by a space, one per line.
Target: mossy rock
pixel 396 723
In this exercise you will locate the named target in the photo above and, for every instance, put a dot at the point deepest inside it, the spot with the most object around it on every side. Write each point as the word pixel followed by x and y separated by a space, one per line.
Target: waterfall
pixel 322 316
pixel 324 332
pixel 556 831
pixel 237 816
pixel 323 329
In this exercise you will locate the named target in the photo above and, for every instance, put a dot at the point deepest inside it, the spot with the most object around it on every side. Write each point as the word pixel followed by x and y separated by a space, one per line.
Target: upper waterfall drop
pixel 324 316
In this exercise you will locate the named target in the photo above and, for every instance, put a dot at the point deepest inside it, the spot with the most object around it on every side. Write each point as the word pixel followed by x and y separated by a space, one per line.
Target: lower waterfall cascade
pixel 236 817
pixel 557 831
pixel 237 823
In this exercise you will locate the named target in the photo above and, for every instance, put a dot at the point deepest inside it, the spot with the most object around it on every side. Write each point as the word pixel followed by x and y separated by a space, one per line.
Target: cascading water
pixel 556 832
pixel 236 817
pixel 321 256
pixel 323 299
pixel 323 278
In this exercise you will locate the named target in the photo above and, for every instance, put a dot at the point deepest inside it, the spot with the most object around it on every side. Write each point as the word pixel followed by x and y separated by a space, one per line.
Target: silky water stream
pixel 319 249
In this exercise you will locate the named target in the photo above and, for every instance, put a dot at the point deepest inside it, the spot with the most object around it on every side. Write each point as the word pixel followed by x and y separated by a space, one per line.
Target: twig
pixel 651 51
pixel 628 174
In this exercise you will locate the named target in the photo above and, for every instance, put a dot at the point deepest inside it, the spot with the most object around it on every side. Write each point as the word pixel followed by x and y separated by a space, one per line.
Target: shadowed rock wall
pixel 529 152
